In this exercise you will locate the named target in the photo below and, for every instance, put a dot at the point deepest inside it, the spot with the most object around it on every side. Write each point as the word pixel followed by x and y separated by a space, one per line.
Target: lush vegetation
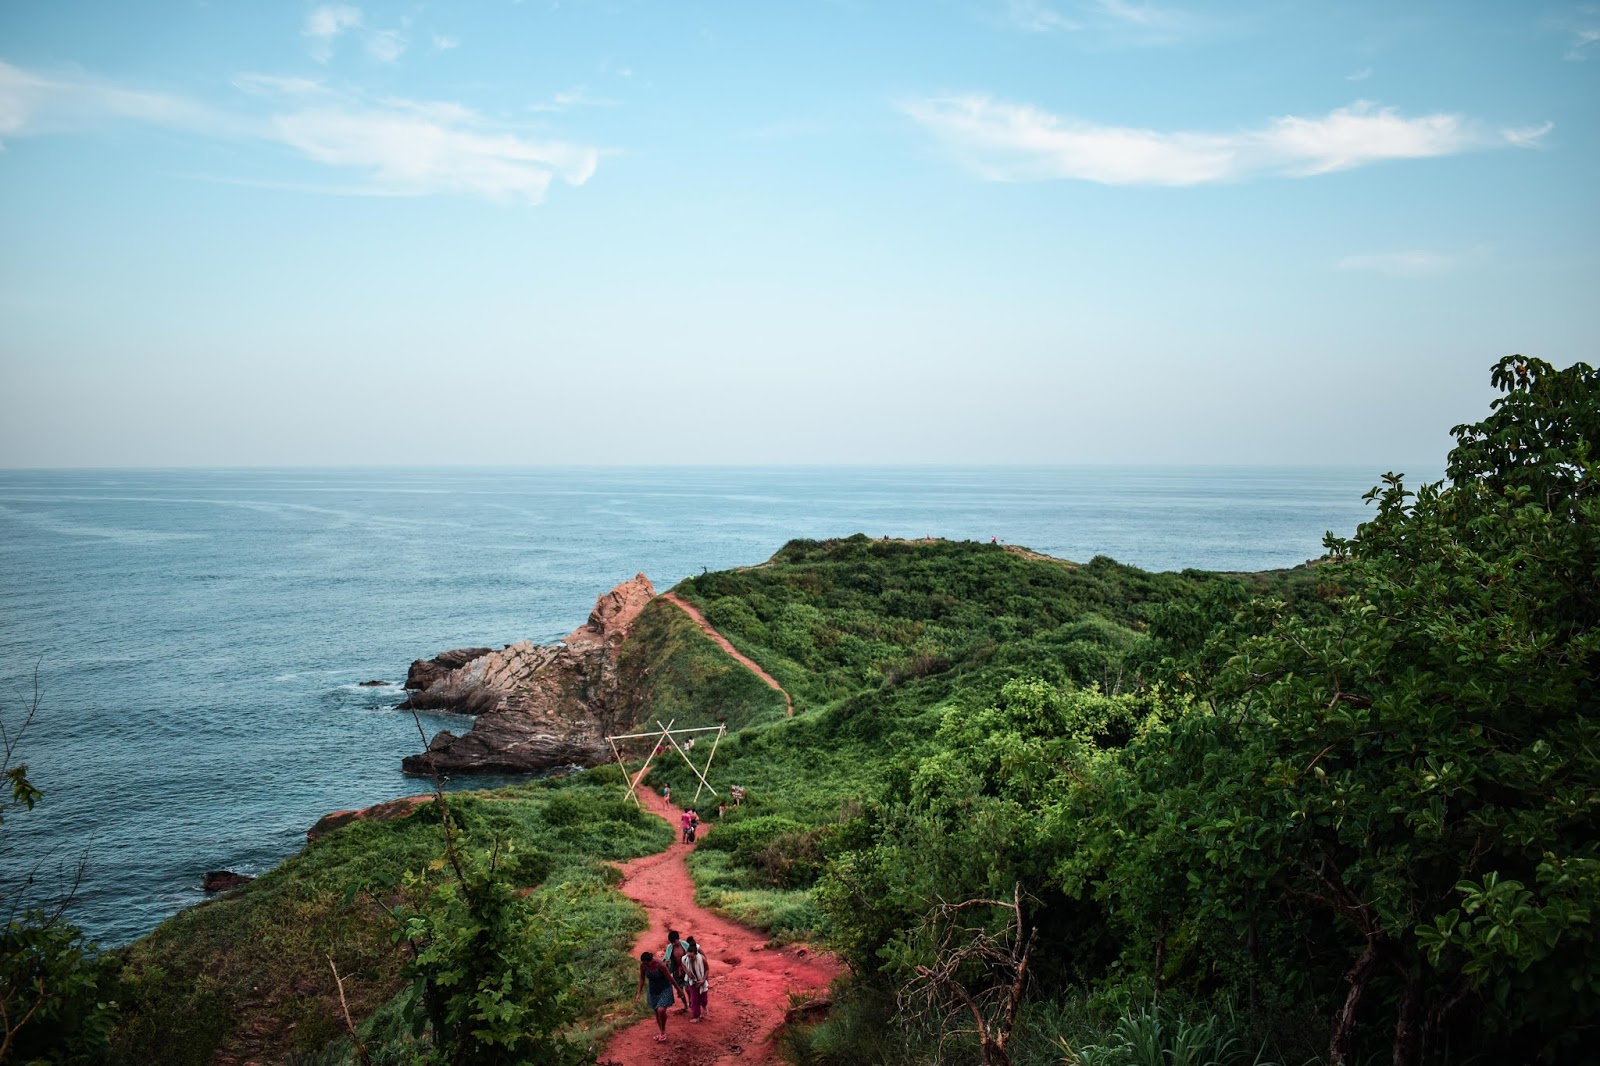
pixel 671 671
pixel 249 974
pixel 1046 812
pixel 1361 801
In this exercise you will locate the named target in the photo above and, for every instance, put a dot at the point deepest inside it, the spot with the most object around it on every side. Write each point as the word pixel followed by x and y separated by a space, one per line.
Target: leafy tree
pixel 489 983
pixel 1419 777
pixel 1374 795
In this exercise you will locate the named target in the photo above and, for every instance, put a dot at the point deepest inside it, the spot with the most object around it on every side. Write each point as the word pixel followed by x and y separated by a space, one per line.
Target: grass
pixel 785 914
pixel 876 641
pixel 247 975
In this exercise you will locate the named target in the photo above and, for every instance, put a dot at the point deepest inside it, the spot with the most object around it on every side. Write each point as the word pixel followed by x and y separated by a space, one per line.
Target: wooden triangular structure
pixel 668 735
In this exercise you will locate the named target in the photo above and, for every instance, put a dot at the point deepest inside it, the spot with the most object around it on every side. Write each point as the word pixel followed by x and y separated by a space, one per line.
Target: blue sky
pixel 954 231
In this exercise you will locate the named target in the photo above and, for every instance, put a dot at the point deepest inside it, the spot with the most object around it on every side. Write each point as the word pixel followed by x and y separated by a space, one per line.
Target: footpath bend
pixel 726 645
pixel 750 983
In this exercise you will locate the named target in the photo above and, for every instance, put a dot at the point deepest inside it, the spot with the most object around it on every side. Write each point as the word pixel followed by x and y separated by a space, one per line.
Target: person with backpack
pixel 695 972
pixel 660 983
pixel 674 959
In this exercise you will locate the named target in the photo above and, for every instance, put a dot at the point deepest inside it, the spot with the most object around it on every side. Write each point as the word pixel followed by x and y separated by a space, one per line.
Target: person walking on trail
pixel 666 793
pixel 655 976
pixel 688 825
pixel 694 975
pixel 676 950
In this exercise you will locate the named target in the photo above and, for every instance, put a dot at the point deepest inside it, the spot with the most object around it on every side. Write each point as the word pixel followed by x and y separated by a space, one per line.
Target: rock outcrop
pixel 537 706
pixel 223 880
pixel 424 672
pixel 386 811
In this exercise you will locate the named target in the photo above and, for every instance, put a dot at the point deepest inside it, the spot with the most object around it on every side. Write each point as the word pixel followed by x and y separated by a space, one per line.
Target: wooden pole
pixel 703 782
pixel 665 734
pixel 624 768
pixel 714 742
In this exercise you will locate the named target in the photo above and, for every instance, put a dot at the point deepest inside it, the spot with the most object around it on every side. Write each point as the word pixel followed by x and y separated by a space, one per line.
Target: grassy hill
pixel 1061 813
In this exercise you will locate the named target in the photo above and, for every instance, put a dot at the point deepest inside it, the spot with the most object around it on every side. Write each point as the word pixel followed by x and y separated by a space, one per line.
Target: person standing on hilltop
pixel 660 983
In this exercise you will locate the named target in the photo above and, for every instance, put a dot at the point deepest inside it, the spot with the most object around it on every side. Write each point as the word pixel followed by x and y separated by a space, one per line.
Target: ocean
pixel 196 639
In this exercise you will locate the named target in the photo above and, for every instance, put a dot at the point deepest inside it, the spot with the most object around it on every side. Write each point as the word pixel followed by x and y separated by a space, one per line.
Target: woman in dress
pixel 655 975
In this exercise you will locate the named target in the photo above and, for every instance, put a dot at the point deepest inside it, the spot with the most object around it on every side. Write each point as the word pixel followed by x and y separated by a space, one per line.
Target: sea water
pixel 196 640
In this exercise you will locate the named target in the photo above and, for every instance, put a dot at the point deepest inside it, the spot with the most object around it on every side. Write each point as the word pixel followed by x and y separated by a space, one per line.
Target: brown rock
pixel 425 672
pixel 222 880
pixel 378 812
pixel 537 706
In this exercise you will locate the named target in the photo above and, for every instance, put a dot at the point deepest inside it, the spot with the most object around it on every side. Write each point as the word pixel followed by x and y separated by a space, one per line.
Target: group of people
pixel 681 973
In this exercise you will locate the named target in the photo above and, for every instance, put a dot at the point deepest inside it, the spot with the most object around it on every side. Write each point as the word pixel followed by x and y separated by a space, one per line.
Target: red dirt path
pixel 744 660
pixel 750 983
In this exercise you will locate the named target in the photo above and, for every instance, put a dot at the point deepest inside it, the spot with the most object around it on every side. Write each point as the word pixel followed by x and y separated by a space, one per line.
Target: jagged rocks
pixel 537 706
pixel 507 743
pixel 424 672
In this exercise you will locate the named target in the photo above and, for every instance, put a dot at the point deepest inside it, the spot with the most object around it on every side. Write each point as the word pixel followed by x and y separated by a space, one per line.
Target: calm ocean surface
pixel 199 635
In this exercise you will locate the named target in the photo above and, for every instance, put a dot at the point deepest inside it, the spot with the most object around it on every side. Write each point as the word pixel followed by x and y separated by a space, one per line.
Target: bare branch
pixel 361 1049
pixel 974 971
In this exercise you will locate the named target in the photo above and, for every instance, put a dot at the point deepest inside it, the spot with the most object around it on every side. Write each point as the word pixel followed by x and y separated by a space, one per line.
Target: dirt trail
pixel 750 983
pixel 708 630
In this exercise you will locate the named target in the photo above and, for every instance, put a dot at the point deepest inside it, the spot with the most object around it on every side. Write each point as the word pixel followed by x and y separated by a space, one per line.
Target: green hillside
pixel 1046 812
pixel 1347 813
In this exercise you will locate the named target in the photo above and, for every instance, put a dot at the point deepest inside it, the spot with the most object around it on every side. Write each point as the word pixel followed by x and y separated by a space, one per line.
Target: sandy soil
pixel 750 983
pixel 722 641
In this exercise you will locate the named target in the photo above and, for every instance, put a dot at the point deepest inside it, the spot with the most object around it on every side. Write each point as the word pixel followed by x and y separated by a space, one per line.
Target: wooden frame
pixel 667 735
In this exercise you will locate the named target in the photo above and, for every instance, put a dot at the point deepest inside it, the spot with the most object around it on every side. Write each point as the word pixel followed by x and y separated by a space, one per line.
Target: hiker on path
pixel 688 825
pixel 655 975
pixel 666 793
pixel 694 975
pixel 676 950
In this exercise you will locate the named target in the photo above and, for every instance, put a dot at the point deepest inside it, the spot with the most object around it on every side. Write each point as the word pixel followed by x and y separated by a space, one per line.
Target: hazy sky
pixel 948 231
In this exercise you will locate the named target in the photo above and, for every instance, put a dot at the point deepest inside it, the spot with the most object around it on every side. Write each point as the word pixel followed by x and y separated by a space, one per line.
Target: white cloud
pixel 32 103
pixel 386 46
pixel 1016 142
pixel 393 146
pixel 404 152
pixel 324 24
pixel 1126 21
pixel 1038 16
pixel 1527 136
pixel 1582 38
pixel 442 43
pixel 272 85
pixel 1417 263
pixel 1138 14
pixel 328 23
pixel 577 96
pixel 1359 75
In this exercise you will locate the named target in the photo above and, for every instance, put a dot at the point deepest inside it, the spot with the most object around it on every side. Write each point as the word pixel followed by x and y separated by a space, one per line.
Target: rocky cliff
pixel 537 706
